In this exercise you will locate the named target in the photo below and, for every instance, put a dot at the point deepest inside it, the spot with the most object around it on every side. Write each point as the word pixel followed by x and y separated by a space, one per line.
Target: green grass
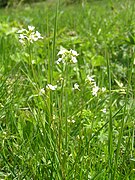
pixel 68 133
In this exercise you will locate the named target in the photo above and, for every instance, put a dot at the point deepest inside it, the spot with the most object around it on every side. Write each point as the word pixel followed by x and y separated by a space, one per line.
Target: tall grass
pixel 67 120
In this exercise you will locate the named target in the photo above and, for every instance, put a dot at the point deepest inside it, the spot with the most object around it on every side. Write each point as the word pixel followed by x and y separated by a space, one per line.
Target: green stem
pixel 110 128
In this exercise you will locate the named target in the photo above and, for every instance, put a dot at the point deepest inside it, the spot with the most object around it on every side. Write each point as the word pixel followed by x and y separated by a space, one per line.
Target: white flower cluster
pixel 67 56
pixel 51 87
pixel 95 88
pixel 29 35
pixel 92 82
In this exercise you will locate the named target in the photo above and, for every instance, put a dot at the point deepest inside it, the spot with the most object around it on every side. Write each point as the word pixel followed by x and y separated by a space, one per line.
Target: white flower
pixel 62 51
pixel 21 41
pixel 35 36
pixel 21 36
pixel 73 121
pixel 38 35
pixel 42 91
pixel 76 87
pixel 59 60
pixel 22 31
pixel 33 61
pixel 104 110
pixel 90 78
pixel 51 87
pixel 73 52
pixel 73 55
pixel 95 90
pixel 74 60
pixel 103 89
pixel 67 56
pixel 32 37
pixel 29 35
pixel 31 28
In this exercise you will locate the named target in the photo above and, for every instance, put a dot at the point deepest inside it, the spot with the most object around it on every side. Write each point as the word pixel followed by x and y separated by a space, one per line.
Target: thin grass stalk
pixel 110 125
pixel 133 141
pixel 61 125
pixel 52 61
pixel 49 79
pixel 66 110
pixel 64 123
pixel 55 158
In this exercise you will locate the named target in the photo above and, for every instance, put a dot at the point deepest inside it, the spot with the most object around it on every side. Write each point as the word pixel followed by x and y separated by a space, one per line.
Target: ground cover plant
pixel 67 91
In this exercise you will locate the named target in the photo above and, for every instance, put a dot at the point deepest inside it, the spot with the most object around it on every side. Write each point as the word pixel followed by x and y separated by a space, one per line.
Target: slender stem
pixel 110 130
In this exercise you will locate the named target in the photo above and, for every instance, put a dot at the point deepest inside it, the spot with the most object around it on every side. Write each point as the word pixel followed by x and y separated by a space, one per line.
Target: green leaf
pixel 98 61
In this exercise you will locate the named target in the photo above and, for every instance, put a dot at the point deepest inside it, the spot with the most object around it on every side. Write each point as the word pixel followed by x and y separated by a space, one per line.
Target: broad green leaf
pixel 98 61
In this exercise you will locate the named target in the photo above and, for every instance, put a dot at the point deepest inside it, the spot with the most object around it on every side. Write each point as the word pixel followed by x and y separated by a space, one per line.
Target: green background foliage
pixel 68 133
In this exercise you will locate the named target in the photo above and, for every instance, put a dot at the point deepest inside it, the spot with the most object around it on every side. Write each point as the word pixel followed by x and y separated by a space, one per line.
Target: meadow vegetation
pixel 67 91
